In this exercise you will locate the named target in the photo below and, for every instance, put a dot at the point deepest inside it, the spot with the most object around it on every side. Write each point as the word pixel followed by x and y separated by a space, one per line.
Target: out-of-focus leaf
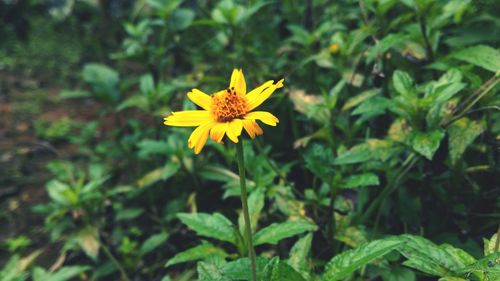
pixel 426 143
pixel 129 213
pixel 156 175
pixel 60 192
pixel 73 94
pixel 360 180
pixel 482 56
pixel 64 274
pixel 277 231
pixel 347 262
pixel 299 255
pixel 356 100
pixel 398 274
pixel 153 242
pixel 461 134
pixel 352 236
pixel 356 154
pixel 88 241
pixel 318 159
pixel 151 147
pixel 197 253
pixel 255 205
pixel 214 226
pixel 104 81
pixel 182 18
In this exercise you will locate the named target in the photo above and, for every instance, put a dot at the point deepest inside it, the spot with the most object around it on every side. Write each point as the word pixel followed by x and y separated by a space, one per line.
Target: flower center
pixel 228 105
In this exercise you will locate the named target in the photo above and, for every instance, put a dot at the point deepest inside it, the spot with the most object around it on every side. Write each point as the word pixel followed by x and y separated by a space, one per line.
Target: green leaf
pixel 60 192
pixel 358 153
pixel 73 94
pixel 197 253
pixel 64 274
pixel 318 160
pixel 104 80
pixel 152 147
pixel 182 18
pixel 255 205
pixel 299 255
pixel 277 270
pixel 158 174
pixel 214 226
pixel 153 242
pixel 489 265
pixel 489 245
pixel 358 99
pixel 396 273
pixel 129 213
pixel 403 83
pixel 240 269
pixel 278 231
pixel 482 56
pixel 427 257
pixel 360 180
pixel 347 262
pixel 211 269
pixel 426 143
pixel 461 134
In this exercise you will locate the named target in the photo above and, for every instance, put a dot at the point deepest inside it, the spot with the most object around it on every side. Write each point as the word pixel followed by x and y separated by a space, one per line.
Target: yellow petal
pixel 188 118
pixel 238 82
pixel 249 126
pixel 200 98
pixel 258 97
pixel 265 117
pixel 218 131
pixel 199 136
pixel 234 130
pixel 256 92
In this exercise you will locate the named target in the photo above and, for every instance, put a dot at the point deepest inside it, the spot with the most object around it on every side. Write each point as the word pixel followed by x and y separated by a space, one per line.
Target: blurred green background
pixel 389 125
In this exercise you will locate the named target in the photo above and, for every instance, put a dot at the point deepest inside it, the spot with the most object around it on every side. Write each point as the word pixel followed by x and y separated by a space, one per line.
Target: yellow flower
pixel 226 112
pixel 334 48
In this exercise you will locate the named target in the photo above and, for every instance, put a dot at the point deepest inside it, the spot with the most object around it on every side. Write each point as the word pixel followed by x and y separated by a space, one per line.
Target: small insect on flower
pixel 226 112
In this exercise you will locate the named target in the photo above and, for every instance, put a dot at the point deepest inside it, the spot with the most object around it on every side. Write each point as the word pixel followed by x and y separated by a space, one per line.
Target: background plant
pixel 383 165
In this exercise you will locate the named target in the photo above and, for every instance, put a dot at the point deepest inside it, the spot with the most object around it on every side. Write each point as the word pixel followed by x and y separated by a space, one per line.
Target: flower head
pixel 226 112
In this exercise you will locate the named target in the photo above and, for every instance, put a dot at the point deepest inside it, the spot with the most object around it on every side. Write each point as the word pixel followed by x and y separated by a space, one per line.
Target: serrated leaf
pixel 482 56
pixel 211 269
pixel 278 231
pixel 240 269
pixel 489 245
pixel 360 180
pixel 153 242
pixel 426 143
pixel 299 255
pixel 347 262
pixel 358 153
pixel 426 256
pixel 461 134
pixel 214 226
pixel 197 253
pixel 255 205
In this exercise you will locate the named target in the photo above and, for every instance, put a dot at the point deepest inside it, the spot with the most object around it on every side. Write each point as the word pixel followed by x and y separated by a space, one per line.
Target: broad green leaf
pixel 60 192
pixel 88 240
pixel 347 262
pixel 212 269
pixel 153 242
pixel 352 236
pixel 373 105
pixel 128 214
pixel 482 56
pixel 403 83
pixel 426 143
pixel 197 253
pixel 426 256
pixel 489 265
pixel 358 153
pixel 318 160
pixel 240 268
pixel 152 147
pixel 182 18
pixel 277 270
pixel 460 257
pixel 396 273
pixel 451 278
pixel 461 134
pixel 360 180
pixel 255 205
pixel 278 231
pixel 104 81
pixel 214 226
pixel 299 255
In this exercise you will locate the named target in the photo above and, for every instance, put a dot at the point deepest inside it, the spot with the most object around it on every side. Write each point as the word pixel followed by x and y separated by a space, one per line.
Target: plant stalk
pixel 244 203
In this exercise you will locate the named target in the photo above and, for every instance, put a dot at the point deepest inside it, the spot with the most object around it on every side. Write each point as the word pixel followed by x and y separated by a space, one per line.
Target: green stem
pixel 118 265
pixel 244 203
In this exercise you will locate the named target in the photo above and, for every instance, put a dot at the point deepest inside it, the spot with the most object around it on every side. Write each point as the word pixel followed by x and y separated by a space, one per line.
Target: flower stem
pixel 244 203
